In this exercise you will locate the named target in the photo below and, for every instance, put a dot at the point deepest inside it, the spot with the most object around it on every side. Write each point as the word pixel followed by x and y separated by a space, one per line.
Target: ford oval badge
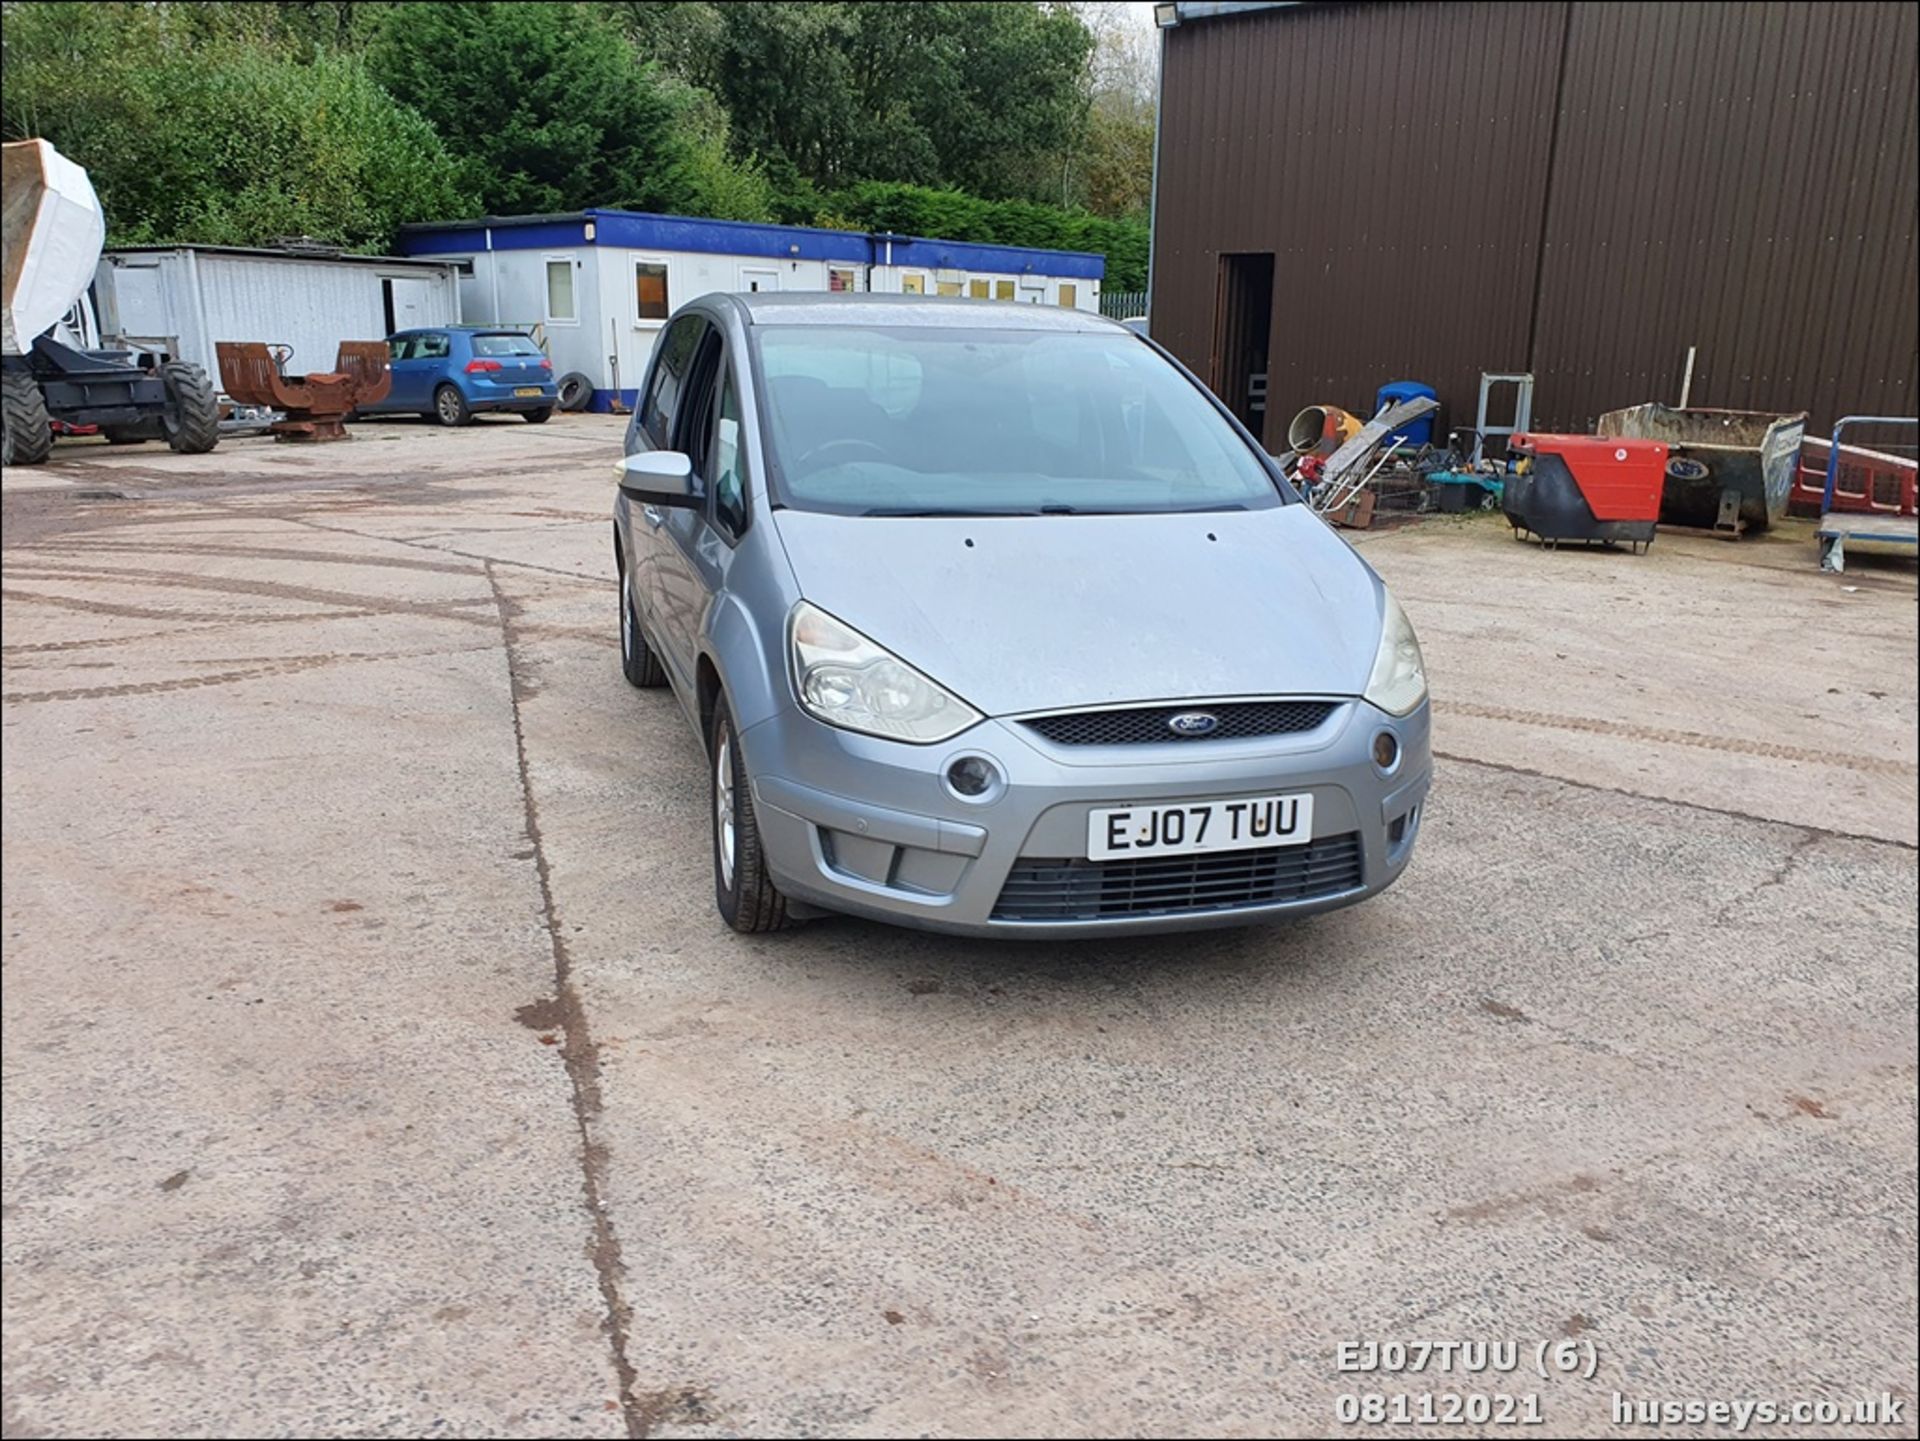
pixel 1193 723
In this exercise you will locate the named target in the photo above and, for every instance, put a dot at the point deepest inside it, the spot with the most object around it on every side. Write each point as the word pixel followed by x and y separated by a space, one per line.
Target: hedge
pixel 951 215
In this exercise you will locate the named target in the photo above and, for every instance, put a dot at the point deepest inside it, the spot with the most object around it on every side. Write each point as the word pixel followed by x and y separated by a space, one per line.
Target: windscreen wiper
pixel 896 512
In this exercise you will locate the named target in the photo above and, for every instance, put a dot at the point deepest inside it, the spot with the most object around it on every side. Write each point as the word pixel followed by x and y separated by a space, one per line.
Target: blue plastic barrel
pixel 1419 432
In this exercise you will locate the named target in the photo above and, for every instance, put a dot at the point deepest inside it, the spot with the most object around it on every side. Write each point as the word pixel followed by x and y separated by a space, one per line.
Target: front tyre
pixel 537 417
pixel 26 434
pixel 745 893
pixel 191 421
pixel 638 663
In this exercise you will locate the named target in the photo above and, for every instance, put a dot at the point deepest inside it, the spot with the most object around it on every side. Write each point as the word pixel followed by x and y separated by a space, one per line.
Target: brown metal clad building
pixel 1355 193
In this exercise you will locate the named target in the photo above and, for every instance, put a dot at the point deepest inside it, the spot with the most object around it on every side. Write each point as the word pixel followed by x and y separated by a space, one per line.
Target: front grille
pixel 1148 725
pixel 1083 890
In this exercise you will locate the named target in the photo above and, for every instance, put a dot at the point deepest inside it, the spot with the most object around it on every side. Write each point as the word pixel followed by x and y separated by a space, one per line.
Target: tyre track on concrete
pixel 292 665
pixel 1817 832
pixel 578 1051
pixel 425 543
pixel 27 650
pixel 1770 750
pixel 459 611
pixel 127 612
pixel 201 623
pixel 257 552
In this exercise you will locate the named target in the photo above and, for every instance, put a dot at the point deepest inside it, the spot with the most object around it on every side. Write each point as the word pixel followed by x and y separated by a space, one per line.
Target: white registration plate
pixel 1246 823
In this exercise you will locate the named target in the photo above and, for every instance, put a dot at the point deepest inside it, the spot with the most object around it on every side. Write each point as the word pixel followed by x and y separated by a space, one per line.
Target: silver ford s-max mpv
pixel 992 620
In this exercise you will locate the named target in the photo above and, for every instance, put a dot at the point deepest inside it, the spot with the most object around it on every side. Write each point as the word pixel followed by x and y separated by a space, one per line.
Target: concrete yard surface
pixel 376 1063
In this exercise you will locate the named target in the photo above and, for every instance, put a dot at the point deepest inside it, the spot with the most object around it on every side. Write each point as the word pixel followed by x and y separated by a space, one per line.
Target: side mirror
pixel 659 477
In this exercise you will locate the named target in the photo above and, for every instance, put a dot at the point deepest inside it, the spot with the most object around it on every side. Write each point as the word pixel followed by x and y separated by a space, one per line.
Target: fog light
pixel 1386 751
pixel 972 776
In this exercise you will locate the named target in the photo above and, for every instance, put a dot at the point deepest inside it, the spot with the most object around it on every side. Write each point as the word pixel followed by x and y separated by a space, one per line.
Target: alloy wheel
pixel 723 808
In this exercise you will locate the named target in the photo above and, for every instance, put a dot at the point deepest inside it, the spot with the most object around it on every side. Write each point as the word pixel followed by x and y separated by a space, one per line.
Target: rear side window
pixel 679 343
pixel 505 345
pixel 430 347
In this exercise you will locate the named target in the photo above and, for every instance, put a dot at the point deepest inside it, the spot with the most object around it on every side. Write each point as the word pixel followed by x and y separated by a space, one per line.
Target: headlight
pixel 1399 680
pixel 846 680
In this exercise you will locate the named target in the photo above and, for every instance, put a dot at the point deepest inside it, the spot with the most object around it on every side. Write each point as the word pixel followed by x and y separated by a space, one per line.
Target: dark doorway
pixel 1242 322
pixel 386 304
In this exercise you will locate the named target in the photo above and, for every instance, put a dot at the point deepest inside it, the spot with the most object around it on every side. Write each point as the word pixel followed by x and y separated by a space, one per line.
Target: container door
pixel 411 303
pixel 140 304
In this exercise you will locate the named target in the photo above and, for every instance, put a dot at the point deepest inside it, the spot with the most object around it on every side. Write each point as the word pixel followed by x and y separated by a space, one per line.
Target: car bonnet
pixel 1024 613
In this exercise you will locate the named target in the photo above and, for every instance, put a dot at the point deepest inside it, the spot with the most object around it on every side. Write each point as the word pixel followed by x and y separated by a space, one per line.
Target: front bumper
pixel 867 826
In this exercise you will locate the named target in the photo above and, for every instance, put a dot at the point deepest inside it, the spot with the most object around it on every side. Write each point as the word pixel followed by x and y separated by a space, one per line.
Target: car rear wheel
pixel 537 417
pixel 638 663
pixel 747 897
pixel 450 406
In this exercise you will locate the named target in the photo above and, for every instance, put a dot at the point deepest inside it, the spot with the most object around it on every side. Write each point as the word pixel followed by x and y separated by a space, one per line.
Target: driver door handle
pixel 654 516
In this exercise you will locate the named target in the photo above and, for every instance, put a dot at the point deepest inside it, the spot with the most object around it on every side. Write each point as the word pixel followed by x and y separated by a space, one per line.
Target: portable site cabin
pixel 603 282
pixel 185 298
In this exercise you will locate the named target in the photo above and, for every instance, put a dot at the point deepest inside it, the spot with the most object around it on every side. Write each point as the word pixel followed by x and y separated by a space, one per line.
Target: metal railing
pixel 1838 528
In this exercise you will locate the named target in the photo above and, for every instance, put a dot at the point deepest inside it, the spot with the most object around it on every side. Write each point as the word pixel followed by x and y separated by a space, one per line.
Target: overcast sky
pixel 1130 45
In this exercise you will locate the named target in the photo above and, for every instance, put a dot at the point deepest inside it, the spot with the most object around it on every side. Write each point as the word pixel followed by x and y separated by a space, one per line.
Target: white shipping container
pixel 185 299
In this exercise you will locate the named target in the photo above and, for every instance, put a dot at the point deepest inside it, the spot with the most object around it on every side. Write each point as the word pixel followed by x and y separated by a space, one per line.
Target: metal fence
pixel 1123 304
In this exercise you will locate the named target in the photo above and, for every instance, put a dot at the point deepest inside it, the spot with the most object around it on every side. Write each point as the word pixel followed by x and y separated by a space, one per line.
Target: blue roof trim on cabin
pixel 636 230
pixel 632 230
pixel 534 232
pixel 978 255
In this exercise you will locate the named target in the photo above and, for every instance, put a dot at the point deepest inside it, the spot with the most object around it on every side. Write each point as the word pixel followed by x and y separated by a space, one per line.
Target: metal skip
pixel 1729 470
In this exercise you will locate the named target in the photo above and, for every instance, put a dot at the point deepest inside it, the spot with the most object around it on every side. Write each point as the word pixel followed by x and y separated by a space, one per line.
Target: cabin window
pixel 650 290
pixel 560 291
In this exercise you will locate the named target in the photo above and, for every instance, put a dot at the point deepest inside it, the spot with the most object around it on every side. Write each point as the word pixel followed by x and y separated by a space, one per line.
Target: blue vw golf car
pixel 452 373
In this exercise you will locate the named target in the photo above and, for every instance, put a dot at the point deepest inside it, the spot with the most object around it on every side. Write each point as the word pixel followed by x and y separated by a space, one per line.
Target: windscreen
pixel 898 421
pixel 504 345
